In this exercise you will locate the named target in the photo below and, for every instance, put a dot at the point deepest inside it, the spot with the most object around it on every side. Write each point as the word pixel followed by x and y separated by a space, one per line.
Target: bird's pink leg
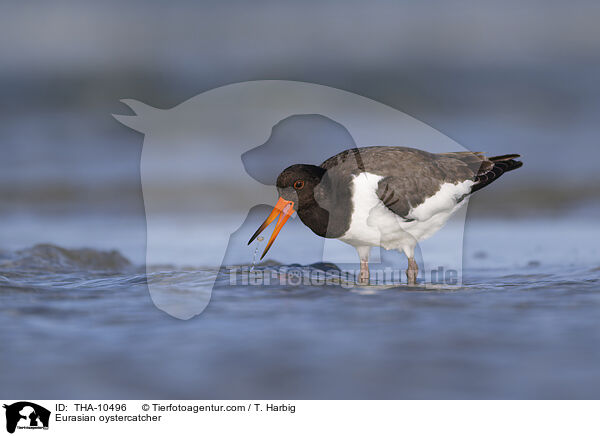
pixel 363 278
pixel 363 253
pixel 412 272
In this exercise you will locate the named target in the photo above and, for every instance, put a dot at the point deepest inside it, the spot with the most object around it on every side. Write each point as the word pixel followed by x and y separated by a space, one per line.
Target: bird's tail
pixel 499 165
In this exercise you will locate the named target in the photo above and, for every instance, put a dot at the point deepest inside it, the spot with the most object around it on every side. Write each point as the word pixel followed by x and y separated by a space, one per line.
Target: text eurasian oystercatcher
pixel 391 197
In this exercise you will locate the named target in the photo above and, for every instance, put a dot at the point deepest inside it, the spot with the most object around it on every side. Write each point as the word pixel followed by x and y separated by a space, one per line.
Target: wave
pixel 52 258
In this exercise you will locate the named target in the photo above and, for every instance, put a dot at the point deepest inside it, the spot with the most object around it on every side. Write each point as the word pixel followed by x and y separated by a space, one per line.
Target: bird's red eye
pixel 299 184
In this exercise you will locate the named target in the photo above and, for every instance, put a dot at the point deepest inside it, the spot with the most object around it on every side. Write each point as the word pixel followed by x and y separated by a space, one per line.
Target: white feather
pixel 373 224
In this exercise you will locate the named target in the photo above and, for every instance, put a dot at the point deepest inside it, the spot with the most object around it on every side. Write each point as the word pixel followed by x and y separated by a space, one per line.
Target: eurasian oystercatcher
pixel 392 197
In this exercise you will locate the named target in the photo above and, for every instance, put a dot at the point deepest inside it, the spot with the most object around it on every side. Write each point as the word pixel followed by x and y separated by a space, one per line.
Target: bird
pixel 382 196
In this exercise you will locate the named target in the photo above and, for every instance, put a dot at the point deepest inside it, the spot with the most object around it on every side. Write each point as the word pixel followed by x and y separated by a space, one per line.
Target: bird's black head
pixel 297 183
pixel 296 186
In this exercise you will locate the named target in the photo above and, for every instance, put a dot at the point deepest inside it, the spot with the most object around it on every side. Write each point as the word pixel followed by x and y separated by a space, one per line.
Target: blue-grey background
pixel 499 77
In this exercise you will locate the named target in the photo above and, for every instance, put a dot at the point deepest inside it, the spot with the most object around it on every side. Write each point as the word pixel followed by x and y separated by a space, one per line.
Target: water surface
pixel 80 323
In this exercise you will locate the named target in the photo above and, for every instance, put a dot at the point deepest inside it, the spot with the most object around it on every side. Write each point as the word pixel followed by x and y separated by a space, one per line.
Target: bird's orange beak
pixel 285 209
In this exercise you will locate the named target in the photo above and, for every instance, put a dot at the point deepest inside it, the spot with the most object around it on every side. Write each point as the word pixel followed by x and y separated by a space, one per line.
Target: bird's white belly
pixel 373 224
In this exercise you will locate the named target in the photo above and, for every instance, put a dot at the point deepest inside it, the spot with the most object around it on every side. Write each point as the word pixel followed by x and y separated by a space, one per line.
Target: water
pixel 80 323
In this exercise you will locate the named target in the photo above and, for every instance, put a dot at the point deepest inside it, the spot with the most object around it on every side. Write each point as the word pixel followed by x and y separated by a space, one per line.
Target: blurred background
pixel 499 77
pixel 494 76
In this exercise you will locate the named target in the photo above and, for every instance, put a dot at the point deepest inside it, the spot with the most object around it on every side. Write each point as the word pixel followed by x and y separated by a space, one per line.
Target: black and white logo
pixel 26 415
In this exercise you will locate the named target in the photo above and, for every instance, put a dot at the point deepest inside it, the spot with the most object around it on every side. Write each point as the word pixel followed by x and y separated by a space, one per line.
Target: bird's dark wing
pixel 411 187
pixel 426 174
pixel 411 176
